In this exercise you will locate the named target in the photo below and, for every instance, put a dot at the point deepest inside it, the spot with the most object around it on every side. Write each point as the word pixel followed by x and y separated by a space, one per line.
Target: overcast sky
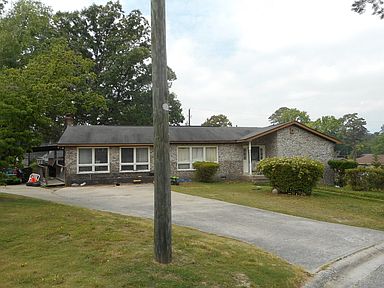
pixel 247 58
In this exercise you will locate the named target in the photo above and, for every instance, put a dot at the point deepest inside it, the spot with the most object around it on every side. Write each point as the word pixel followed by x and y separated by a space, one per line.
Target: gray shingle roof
pixel 75 135
pixel 120 135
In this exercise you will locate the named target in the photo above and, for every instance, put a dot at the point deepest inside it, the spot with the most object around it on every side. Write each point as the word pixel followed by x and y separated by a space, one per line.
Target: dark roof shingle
pixel 116 135
pixel 75 135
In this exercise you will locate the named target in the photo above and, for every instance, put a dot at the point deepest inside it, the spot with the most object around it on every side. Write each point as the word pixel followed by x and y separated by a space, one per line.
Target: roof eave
pixel 288 124
pixel 103 144
pixel 146 144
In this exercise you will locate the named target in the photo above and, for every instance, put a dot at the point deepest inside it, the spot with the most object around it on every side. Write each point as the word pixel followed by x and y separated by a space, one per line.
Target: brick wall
pixel 270 143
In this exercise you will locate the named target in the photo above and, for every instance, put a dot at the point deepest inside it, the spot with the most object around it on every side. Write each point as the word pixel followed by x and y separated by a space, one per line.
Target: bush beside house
pixel 366 178
pixel 296 175
pixel 204 171
pixel 339 167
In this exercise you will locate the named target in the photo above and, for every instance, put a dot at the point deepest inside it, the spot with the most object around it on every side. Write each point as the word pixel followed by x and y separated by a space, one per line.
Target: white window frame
pixel 190 156
pixel 93 164
pixel 134 163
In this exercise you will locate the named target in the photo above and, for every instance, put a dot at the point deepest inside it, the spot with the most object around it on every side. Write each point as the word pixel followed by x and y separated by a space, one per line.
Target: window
pixel 93 160
pixel 134 159
pixel 186 156
pixel 257 153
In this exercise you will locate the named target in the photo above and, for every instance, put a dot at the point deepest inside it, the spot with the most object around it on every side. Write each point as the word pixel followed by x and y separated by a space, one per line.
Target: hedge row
pixel 339 167
pixel 342 165
pixel 366 178
pixel 295 175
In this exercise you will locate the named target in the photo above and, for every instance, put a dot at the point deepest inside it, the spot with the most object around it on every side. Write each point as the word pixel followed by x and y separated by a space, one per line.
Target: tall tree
pixel 378 144
pixel 353 131
pixel 373 143
pixel 24 31
pixel 119 45
pixel 285 114
pixel 329 125
pixel 217 121
pixel 34 99
pixel 377 7
pixel 176 116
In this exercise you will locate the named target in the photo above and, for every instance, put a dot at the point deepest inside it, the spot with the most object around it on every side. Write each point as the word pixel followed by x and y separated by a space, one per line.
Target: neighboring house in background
pixel 368 159
pixel 109 154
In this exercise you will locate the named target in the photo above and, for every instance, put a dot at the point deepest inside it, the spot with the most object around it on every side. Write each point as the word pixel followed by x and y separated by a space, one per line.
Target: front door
pixel 257 154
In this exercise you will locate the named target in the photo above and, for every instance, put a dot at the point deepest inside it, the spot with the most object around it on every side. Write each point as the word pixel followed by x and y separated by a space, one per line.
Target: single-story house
pixel 109 154
pixel 369 159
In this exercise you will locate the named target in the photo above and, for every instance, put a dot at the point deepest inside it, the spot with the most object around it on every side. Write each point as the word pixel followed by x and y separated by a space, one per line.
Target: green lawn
pixel 50 245
pixel 365 209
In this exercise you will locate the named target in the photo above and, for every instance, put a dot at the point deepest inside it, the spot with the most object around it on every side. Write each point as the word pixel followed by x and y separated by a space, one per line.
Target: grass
pixel 364 209
pixel 43 244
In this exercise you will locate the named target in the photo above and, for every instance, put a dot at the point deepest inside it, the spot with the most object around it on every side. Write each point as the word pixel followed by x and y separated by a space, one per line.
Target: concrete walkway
pixel 308 243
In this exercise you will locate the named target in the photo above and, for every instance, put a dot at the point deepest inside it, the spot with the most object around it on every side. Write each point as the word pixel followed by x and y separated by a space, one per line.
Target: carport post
pixel 250 158
pixel 162 217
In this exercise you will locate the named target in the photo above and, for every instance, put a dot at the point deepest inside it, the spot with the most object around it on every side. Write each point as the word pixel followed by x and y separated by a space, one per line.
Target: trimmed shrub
pixel 204 171
pixel 366 178
pixel 342 164
pixel 296 175
pixel 339 167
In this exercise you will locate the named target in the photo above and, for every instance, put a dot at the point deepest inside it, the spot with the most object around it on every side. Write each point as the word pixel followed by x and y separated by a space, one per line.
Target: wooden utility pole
pixel 163 222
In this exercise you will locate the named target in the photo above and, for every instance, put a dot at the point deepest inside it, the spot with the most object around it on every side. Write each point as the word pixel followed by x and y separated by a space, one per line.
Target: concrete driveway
pixel 308 243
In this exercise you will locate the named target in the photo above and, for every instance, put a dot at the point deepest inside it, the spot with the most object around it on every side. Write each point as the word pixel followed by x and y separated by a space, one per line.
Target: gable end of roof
pixel 286 125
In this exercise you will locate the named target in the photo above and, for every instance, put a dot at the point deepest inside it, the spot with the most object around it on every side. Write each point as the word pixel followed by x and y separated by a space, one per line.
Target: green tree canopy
pixel 24 31
pixel 94 64
pixel 217 121
pixel 377 144
pixel 34 99
pixel 285 114
pixel 353 131
pixel 377 7
pixel 329 125
pixel 119 44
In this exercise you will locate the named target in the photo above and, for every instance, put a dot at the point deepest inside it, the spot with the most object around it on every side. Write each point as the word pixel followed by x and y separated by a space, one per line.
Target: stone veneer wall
pixel 114 175
pixel 291 141
pixel 230 157
pixel 270 143
pixel 294 141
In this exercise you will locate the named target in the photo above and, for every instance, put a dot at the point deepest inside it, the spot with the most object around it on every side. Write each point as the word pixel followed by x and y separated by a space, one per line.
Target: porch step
pixel 256 179
pixel 55 182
